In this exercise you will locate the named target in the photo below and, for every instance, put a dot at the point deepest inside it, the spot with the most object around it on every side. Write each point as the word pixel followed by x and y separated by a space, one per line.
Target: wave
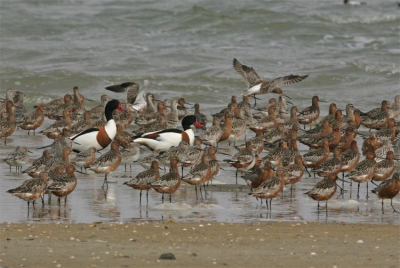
pixel 359 19
pixel 377 68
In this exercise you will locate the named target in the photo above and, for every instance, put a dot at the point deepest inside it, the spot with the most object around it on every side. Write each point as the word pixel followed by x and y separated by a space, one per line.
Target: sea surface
pixel 185 49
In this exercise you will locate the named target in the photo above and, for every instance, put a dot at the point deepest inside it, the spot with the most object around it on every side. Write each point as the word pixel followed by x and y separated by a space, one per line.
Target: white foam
pixel 378 68
pixel 358 19
pixel 208 206
pixel 217 182
pixel 173 206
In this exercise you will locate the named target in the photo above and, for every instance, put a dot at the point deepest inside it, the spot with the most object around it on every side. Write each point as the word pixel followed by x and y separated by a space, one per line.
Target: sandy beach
pixel 200 244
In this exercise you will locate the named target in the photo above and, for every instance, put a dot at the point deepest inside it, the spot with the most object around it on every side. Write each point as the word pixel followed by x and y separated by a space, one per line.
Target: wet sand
pixel 200 244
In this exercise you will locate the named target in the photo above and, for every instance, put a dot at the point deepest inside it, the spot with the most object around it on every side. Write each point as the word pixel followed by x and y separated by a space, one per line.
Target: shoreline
pixel 200 244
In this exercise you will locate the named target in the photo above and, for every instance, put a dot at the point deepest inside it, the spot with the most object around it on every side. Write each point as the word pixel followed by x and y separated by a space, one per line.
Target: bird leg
pixel 391 203
pixel 309 174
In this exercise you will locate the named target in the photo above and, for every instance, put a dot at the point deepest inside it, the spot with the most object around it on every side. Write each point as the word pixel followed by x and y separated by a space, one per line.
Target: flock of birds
pixel 333 148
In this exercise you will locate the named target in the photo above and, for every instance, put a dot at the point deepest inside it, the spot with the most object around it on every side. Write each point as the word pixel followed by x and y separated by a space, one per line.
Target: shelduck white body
pixel 100 137
pixel 165 139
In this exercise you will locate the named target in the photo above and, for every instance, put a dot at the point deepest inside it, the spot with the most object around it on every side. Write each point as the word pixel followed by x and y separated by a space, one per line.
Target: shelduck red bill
pixel 197 124
pixel 120 107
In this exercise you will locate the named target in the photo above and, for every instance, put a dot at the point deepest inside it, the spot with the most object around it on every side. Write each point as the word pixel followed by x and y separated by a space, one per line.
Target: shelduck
pixel 99 137
pixel 164 139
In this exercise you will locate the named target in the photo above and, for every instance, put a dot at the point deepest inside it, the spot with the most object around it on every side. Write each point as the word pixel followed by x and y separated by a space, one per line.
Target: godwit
pixel 100 137
pixel 258 176
pixel 192 156
pixel 130 155
pixel 378 120
pixel 81 125
pixel 291 121
pixel 330 166
pixel 347 138
pixel 9 110
pixel 164 139
pixel 33 120
pixel 292 151
pixel 10 158
pixel 256 85
pixel 371 143
pixel 257 143
pixel 211 135
pixel 245 106
pixel 52 173
pixel 294 172
pixel 213 163
pixel 324 190
pixel 270 188
pixel 388 189
pixel 172 116
pixel 175 151
pixel 141 180
pixel 108 162
pixel 331 113
pixel 388 132
pixel 350 158
pixel 384 168
pixel 61 159
pixel 274 133
pixel 9 97
pixel 310 114
pixel 149 107
pixel 168 183
pixel 337 120
pixel 291 135
pixel 63 184
pixel 54 103
pixel 333 139
pixel 319 131
pixel 243 160
pixel 201 118
pixel 239 127
pixel 158 125
pixel 381 152
pixel 7 127
pixel 123 135
pixel 98 111
pixel 140 103
pixel 198 174
pixel 363 171
pixel 275 156
pixel 85 158
pixel 53 131
pixel 147 118
pixel 31 189
pixel 131 89
pixel 146 161
pixel 38 165
pixel 268 121
pixel 181 108
pixel 18 158
pixel 57 111
pixel 314 158
pixel 226 127
pixel 394 110
pixel 349 117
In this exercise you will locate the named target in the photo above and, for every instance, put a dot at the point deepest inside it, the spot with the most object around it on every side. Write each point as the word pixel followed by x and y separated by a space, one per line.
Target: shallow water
pixel 224 202
pixel 186 48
